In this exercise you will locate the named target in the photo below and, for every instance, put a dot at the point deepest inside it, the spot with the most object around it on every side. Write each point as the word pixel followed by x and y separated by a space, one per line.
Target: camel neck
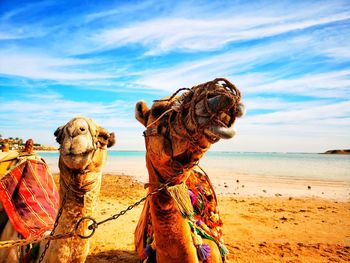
pixel 75 207
pixel 172 242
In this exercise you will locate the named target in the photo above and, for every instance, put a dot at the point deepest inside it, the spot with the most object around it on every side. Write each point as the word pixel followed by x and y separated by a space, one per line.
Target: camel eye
pixel 104 136
pixel 158 110
pixel 82 129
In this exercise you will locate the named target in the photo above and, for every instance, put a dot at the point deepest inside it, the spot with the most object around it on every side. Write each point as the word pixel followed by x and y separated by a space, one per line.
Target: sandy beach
pixel 256 229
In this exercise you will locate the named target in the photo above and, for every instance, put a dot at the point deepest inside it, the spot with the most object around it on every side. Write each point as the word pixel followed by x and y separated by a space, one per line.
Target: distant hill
pixel 347 151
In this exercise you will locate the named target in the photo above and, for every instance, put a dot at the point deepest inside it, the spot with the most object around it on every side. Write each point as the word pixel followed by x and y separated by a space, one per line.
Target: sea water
pixel 225 164
pixel 302 165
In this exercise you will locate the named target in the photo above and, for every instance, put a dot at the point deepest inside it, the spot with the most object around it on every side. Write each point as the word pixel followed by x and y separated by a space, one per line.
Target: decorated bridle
pixel 184 106
pixel 171 121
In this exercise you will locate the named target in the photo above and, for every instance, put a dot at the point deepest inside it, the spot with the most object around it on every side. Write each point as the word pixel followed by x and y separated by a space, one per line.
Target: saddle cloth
pixel 29 197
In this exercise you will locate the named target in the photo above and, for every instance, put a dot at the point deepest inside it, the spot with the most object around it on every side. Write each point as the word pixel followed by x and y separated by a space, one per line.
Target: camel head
pixel 81 140
pixel 182 128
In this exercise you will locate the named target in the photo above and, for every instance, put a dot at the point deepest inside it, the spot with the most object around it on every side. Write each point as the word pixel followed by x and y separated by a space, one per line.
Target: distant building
pixel 17 144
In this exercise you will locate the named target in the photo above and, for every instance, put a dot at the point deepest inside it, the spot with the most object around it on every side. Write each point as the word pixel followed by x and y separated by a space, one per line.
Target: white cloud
pixel 46 110
pixel 7 36
pixel 237 66
pixel 37 116
pixel 286 140
pixel 306 112
pixel 40 66
pixel 125 10
pixel 278 104
pixel 310 128
pixel 196 71
pixel 161 35
pixel 323 85
pixel 339 52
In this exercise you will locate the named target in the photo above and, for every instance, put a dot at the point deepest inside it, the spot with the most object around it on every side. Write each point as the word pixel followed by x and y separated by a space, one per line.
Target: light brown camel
pixel 181 223
pixel 83 152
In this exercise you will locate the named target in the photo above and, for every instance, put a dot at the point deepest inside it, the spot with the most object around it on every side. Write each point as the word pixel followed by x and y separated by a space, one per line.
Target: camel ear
pixel 105 138
pixel 142 112
pixel 59 134
pixel 111 140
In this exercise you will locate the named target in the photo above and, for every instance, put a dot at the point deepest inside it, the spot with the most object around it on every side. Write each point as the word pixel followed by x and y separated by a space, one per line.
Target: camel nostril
pixel 77 131
pixel 219 102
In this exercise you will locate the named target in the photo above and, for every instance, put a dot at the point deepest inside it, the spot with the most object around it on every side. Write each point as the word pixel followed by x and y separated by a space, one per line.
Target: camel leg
pixel 68 249
pixel 9 255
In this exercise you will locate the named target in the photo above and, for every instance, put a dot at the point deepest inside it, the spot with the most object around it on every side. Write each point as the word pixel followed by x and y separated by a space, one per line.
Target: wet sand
pixel 256 229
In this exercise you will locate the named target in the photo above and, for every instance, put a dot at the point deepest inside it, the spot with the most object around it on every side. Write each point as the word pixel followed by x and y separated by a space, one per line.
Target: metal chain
pixel 59 214
pixel 130 207
pixel 24 242
pixel 53 236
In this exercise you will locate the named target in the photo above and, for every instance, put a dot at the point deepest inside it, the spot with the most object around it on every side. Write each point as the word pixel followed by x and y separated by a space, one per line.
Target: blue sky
pixel 290 59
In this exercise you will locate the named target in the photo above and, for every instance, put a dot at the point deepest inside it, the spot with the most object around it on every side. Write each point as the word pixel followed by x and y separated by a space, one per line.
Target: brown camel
pixel 181 223
pixel 83 152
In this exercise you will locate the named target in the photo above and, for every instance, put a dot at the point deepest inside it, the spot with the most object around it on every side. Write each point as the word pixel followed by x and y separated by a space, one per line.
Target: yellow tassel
pixel 214 217
pixel 180 194
pixel 197 239
pixel 153 245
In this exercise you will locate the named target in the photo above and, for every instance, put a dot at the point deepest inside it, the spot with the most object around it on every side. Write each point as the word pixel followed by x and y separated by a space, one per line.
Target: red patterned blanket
pixel 30 197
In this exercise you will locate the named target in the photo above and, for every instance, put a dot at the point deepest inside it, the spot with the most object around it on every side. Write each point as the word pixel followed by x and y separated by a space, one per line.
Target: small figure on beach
pixel 5 147
pixel 29 146
pixel 83 153
pixel 181 222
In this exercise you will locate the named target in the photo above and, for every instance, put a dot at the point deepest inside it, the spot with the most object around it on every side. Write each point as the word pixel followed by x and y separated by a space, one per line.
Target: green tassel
pixel 197 231
pixel 34 253
pixel 223 250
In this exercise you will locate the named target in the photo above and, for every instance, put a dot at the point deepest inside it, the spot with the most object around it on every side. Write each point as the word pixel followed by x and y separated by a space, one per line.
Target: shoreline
pixel 286 186
pixel 250 175
pixel 270 186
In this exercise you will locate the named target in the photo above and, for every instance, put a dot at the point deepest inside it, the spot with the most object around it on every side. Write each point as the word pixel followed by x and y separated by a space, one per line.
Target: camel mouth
pixel 226 119
pixel 223 127
pixel 220 132
pixel 226 110
pixel 70 153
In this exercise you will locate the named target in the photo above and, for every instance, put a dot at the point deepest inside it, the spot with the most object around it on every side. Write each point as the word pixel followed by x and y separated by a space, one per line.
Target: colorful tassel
pixel 148 250
pixel 180 195
pixel 223 250
pixel 193 197
pixel 203 252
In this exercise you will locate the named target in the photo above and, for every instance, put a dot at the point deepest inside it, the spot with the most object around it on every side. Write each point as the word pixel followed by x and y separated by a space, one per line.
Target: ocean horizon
pixel 314 166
